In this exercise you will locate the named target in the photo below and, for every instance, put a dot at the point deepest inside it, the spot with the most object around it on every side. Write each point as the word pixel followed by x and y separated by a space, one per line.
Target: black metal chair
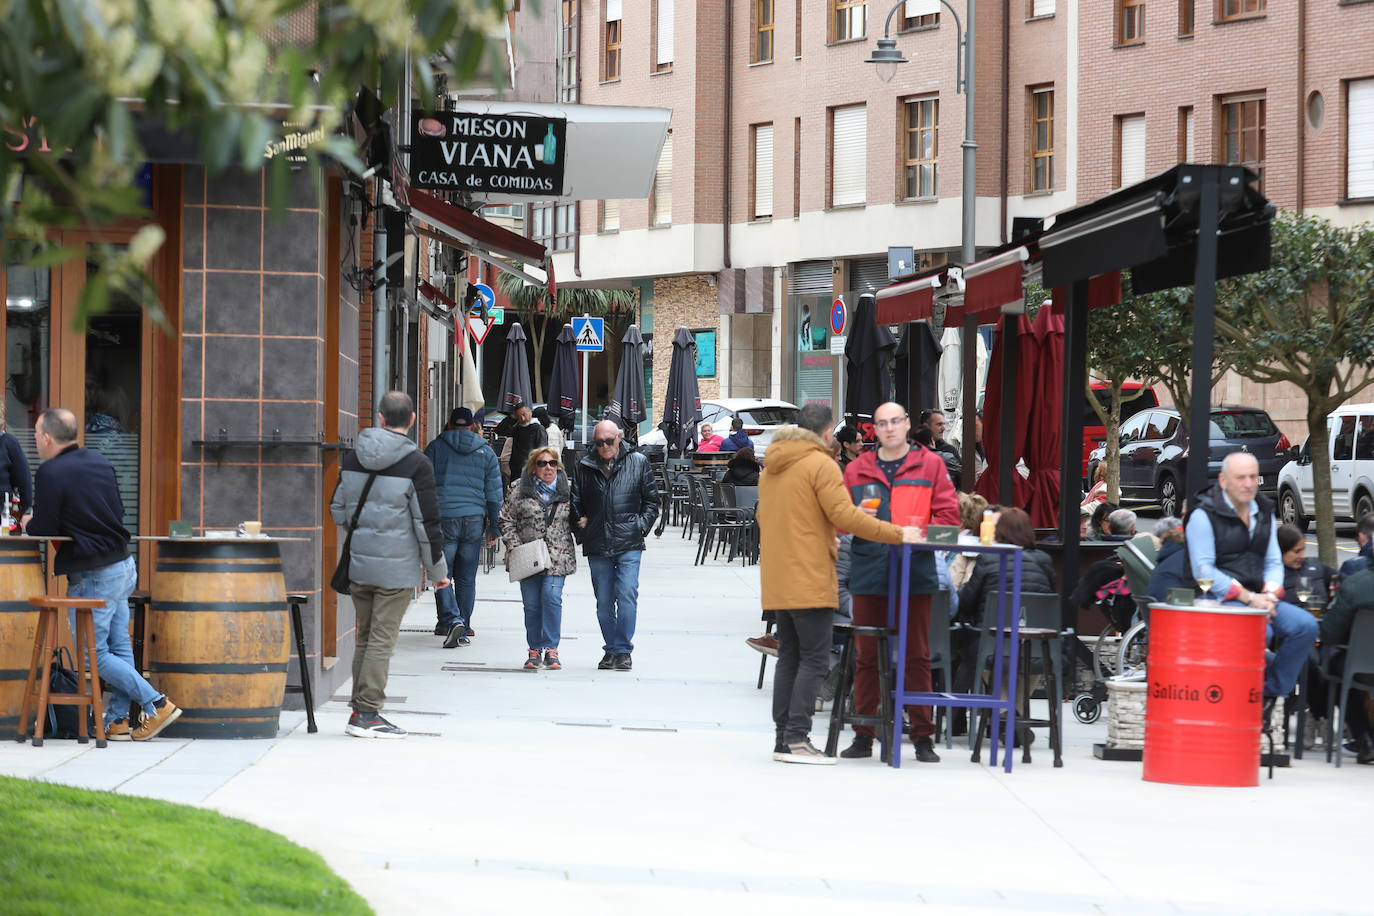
pixel 1356 672
pixel 717 520
pixel 1040 615
pixel 841 712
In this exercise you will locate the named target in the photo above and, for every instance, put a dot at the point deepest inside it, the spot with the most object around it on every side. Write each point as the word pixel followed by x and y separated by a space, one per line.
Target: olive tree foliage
pixel 1308 321
pixel 80 74
pixel 545 317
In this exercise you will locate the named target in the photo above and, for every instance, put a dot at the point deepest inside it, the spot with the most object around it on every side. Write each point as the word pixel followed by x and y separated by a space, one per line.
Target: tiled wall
pixel 252 341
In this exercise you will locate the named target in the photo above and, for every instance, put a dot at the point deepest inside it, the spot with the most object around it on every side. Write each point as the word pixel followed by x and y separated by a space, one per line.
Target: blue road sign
pixel 591 334
pixel 488 297
pixel 838 315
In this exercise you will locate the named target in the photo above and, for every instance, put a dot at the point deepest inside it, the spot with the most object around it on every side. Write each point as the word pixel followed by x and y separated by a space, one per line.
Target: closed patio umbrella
pixel 1046 413
pixel 515 375
pixel 918 343
pixel 868 381
pixel 1018 401
pixel 951 382
pixel 627 400
pixel 564 394
pixel 469 382
pixel 682 400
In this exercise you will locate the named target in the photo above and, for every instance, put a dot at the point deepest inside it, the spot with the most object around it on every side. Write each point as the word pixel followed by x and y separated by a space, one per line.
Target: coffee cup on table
pixel 251 529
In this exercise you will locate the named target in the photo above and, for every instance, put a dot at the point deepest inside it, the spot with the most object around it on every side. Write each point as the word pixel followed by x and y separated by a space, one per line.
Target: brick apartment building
pixel 791 167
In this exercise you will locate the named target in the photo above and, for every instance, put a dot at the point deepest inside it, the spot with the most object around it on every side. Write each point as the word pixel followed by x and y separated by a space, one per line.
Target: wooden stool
pixel 40 668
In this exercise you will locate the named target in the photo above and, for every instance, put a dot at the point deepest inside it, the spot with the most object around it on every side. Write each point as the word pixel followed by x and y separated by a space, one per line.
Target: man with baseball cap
pixel 468 480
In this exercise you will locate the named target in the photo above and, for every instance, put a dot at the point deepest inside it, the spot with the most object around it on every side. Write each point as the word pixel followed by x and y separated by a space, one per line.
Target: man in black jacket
pixel 615 501
pixel 78 498
pixel 934 421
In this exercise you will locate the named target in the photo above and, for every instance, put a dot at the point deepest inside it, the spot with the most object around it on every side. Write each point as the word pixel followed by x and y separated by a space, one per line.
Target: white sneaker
pixel 372 725
pixel 804 752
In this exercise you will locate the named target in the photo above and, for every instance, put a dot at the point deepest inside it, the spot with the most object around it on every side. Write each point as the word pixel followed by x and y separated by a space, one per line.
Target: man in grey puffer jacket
pixel 397 535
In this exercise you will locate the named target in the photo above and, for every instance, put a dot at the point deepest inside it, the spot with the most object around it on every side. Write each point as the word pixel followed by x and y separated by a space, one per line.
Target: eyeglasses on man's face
pixel 890 424
pixel 546 463
pixel 604 443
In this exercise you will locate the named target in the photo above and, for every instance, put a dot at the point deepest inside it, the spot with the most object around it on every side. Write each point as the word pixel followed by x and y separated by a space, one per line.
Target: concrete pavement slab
pixel 587 790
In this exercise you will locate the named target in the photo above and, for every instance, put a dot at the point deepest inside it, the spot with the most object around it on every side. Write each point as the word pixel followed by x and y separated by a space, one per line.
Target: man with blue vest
pixel 895 465
pixel 1232 540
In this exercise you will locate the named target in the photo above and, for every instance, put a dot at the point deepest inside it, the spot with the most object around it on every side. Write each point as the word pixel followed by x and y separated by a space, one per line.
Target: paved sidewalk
pixel 582 791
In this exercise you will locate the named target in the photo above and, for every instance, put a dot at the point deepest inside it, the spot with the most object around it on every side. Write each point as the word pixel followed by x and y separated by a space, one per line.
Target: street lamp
pixel 886 57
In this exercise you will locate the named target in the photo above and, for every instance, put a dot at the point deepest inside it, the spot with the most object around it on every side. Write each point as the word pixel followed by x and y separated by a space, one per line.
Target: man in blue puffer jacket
pixel 468 480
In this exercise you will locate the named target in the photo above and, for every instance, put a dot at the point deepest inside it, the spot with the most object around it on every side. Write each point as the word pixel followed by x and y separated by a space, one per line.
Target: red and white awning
pixel 995 282
pixel 452 225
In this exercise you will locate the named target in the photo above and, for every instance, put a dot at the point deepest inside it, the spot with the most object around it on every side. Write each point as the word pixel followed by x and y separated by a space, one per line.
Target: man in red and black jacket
pixel 879 474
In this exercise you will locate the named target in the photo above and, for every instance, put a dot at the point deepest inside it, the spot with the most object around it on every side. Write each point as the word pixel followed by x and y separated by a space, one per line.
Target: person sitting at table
pixel 1355 594
pixel 738 438
pixel 1233 541
pixel 1120 525
pixel 971 508
pixel 1297 565
pixel 1097 493
pixel 1171 561
pixel 743 469
pixel 1037 576
pixel 1098 524
pixel 709 441
pixel 1364 539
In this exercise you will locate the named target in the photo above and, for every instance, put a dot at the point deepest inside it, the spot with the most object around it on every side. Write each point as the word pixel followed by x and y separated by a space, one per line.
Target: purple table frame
pixel 899 581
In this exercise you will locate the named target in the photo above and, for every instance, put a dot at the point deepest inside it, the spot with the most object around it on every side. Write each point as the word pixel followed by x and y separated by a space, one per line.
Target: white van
pixel 1351 431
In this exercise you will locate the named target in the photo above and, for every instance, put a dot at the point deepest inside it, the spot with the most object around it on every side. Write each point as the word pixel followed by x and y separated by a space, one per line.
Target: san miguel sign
pixel 488 153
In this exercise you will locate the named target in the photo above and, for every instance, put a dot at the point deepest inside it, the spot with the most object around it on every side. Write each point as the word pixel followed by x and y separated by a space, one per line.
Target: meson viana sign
pixel 488 153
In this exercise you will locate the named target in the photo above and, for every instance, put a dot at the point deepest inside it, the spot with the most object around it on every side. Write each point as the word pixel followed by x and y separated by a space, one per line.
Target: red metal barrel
pixel 1206 690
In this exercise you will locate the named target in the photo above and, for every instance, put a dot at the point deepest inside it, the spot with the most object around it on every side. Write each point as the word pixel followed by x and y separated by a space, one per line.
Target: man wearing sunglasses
pixel 615 502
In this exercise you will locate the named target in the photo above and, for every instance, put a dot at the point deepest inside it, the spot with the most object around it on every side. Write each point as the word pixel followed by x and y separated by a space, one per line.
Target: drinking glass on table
pixel 1304 590
pixel 1205 584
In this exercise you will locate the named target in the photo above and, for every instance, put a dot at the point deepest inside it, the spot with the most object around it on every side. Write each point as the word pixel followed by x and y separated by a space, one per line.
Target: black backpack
pixel 64 721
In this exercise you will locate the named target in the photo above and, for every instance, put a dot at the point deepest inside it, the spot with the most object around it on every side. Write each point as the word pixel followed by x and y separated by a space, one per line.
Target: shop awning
pixel 451 225
pixel 436 303
pixel 910 299
pixel 1103 290
pixel 995 282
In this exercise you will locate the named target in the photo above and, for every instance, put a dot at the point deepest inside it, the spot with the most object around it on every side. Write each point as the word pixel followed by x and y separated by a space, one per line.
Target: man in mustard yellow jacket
pixel 802 501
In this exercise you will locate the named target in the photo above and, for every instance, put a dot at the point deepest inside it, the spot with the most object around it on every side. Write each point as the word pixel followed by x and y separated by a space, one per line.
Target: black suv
pixel 1154 452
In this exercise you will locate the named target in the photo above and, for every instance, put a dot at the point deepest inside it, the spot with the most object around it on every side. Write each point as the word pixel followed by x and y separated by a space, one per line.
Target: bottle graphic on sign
pixel 550 154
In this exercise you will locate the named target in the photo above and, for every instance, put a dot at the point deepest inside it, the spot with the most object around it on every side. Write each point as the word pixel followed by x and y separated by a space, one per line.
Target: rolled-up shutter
pixel 612 10
pixel 663 185
pixel 1132 150
pixel 849 150
pixel 1042 8
pixel 665 32
pixel 763 170
pixel 1359 159
pixel 866 273
pixel 811 278
pixel 610 215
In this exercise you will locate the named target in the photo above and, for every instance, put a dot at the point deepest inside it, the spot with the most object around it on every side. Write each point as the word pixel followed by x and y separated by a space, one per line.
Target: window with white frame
pixel 1130 149
pixel 848 155
pixel 1359 147
pixel 661 202
pixel 763 171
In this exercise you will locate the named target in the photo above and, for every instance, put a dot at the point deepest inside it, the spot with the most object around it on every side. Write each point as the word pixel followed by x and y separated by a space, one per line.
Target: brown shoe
pixel 768 645
pixel 118 730
pixel 532 663
pixel 551 660
pixel 152 726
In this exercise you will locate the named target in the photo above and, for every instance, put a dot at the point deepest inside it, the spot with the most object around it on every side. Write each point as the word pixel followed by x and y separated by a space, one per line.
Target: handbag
pixel 339 581
pixel 532 557
pixel 64 721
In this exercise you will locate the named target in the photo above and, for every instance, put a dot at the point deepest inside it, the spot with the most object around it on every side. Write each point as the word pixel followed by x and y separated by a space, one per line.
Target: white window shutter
pixel 612 10
pixel 1042 8
pixel 849 153
pixel 663 185
pixel 1189 138
pixel 916 8
pixel 763 170
pixel 610 215
pixel 665 31
pixel 1359 157
pixel 1132 150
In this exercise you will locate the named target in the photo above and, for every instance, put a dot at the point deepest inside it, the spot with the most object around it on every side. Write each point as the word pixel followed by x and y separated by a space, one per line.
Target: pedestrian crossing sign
pixel 590 333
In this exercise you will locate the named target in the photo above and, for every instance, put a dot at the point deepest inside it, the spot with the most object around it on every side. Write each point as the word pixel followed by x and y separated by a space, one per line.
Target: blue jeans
pixel 1295 630
pixel 615 582
pixel 114 654
pixel 543 597
pixel 462 551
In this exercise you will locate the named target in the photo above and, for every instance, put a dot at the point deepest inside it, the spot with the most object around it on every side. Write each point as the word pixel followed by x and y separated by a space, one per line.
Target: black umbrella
pixel 515 375
pixel 564 396
pixel 682 400
pixel 627 401
pixel 918 359
pixel 868 382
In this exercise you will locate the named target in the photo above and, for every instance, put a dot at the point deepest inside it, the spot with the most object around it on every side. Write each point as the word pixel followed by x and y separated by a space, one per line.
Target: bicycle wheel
pixel 1134 648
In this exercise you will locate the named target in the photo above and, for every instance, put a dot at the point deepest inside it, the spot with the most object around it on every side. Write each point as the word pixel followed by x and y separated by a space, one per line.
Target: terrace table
pixel 899 579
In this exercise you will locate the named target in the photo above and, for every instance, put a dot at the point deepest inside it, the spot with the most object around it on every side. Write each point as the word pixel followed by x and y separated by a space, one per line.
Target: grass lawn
pixel 75 851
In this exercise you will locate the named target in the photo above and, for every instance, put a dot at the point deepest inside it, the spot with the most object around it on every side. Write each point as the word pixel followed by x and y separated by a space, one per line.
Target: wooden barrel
pixel 217 637
pixel 711 461
pixel 21 575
